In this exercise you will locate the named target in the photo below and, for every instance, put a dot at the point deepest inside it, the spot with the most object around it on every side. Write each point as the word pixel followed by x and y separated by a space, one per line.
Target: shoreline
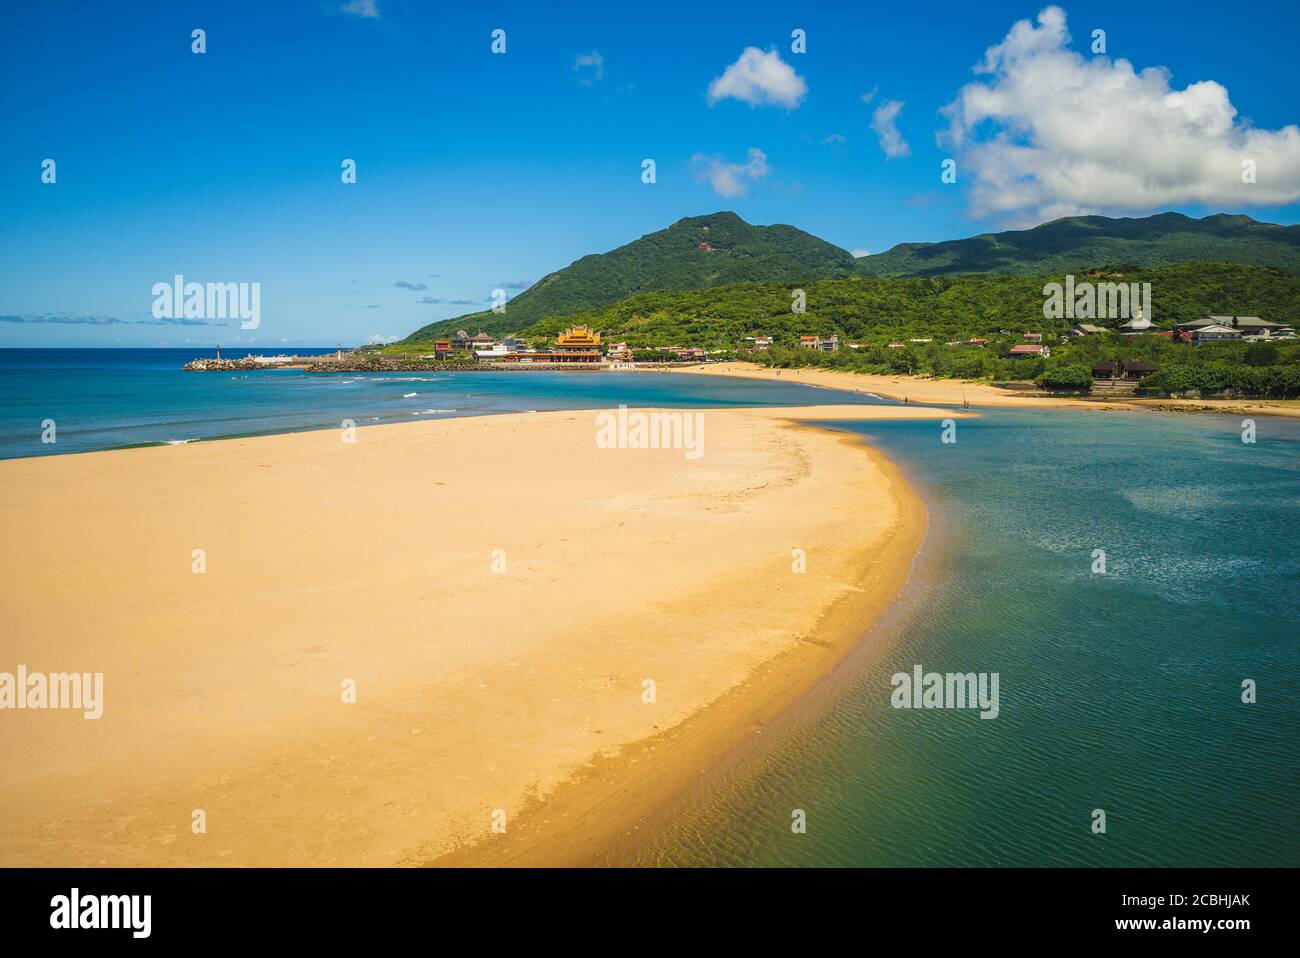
pixel 917 389
pixel 222 690
pixel 572 827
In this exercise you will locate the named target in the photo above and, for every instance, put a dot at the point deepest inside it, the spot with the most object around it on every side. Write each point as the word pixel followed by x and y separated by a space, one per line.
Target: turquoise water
pixel 1118 691
pixel 110 398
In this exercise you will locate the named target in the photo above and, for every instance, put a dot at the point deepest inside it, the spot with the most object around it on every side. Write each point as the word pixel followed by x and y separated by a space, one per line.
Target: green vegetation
pixel 1212 369
pixel 1069 245
pixel 1216 378
pixel 880 311
pixel 669 259
pixel 1073 378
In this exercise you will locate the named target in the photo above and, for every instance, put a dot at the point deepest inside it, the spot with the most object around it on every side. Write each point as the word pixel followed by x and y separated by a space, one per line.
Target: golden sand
pixel 508 682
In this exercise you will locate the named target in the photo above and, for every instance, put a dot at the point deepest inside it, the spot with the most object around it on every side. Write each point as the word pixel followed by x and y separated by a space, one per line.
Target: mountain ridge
pixel 674 258
pixel 1073 242
pixel 721 249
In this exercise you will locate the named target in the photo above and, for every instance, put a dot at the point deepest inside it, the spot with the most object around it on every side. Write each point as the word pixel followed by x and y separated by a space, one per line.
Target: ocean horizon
pixel 121 398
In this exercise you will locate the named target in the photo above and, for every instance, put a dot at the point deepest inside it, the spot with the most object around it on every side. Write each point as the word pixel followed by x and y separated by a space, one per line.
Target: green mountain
pixel 1070 244
pixel 646 291
pixel 670 259
pixel 942 308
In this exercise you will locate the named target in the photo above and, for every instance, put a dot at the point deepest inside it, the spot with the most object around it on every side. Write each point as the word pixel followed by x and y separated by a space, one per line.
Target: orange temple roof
pixel 578 336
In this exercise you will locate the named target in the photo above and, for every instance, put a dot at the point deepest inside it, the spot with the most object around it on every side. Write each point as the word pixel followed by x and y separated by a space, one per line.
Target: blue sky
pixel 477 171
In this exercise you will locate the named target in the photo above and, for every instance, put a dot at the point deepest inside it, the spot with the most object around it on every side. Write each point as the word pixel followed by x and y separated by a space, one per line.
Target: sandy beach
pixel 497 591
pixel 955 391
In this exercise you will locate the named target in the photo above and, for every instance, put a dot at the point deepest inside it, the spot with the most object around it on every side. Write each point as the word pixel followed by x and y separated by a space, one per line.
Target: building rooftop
pixel 578 336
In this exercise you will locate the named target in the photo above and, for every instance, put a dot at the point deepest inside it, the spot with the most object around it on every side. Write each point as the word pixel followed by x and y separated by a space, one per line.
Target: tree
pixel 1261 354
pixel 1075 378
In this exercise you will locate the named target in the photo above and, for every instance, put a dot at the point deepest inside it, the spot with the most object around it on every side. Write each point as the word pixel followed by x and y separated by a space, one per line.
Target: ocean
pixel 115 398
pixel 1120 690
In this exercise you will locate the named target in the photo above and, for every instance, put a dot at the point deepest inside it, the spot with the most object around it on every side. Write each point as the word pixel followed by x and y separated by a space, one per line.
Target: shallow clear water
pixel 109 398
pixel 1118 691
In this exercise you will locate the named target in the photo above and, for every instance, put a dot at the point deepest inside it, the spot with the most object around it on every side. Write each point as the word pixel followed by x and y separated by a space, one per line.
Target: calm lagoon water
pixel 1119 692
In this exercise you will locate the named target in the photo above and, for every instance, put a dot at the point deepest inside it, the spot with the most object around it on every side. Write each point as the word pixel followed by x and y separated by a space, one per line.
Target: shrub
pixel 1076 378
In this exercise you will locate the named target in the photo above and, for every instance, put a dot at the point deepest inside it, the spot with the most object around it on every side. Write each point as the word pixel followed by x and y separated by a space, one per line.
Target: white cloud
pixel 730 179
pixel 1052 133
pixel 884 122
pixel 362 8
pixel 759 79
pixel 590 67
pixel 379 339
pixel 870 94
pixel 859 253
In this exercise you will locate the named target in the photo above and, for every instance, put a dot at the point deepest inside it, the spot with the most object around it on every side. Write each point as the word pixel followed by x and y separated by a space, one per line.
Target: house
pixel 977 341
pixel 762 342
pixel 1135 371
pixel 1085 329
pixel 809 342
pixel 831 344
pixel 1032 337
pixel 464 340
pixel 1213 333
pixel 1246 325
pixel 1018 352
pixel 442 349
pixel 1116 376
pixel 1137 326
pixel 688 353
pixel 618 352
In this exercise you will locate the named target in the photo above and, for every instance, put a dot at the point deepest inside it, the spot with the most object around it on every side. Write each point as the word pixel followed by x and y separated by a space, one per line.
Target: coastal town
pixel 579 347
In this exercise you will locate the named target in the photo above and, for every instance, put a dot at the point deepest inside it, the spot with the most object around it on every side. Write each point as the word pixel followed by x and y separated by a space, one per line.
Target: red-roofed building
pixel 1023 350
